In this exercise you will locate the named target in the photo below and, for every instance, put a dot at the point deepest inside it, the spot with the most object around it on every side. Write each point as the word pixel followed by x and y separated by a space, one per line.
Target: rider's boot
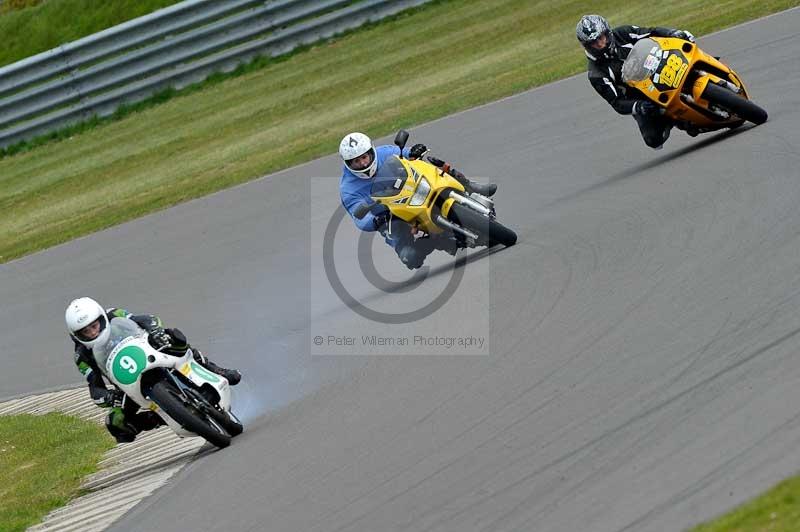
pixel 231 375
pixel 690 129
pixel 487 189
pixel 147 420
pixel 445 243
pixel 120 427
pixel 414 252
pixel 484 189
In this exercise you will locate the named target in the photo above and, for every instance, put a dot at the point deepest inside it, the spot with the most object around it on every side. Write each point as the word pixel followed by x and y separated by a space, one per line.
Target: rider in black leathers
pixel 607 49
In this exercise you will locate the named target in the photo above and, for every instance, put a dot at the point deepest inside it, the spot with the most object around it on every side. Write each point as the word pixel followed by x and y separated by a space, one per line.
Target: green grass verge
pixel 42 462
pixel 445 57
pixel 777 510
pixel 41 27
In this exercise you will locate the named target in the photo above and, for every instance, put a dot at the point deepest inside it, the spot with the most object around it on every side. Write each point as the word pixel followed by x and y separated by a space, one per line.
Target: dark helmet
pixel 591 28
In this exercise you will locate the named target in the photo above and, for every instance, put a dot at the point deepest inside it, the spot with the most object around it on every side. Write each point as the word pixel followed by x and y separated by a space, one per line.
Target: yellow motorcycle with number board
pixel 691 86
pixel 429 199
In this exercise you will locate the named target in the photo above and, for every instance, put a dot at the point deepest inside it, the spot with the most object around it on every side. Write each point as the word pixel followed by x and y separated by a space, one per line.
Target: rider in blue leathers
pixel 354 190
pixel 361 161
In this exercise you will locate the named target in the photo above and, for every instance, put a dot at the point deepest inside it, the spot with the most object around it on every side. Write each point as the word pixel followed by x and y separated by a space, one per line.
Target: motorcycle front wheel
pixel 231 425
pixel 488 229
pixel 734 103
pixel 166 396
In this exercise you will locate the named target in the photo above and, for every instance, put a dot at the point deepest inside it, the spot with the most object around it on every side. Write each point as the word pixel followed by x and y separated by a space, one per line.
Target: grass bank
pixel 41 25
pixel 445 57
pixel 777 510
pixel 42 462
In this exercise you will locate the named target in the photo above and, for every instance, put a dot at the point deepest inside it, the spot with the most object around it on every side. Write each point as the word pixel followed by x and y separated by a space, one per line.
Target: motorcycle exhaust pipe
pixel 444 222
pixel 469 202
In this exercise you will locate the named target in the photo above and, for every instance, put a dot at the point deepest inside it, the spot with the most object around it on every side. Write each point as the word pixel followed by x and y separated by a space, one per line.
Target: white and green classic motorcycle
pixel 191 400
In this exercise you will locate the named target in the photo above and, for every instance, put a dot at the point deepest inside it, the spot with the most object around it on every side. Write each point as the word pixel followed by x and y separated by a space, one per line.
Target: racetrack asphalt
pixel 640 371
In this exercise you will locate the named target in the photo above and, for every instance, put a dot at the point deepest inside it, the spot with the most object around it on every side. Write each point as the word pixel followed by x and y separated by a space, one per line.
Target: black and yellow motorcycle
pixel 691 86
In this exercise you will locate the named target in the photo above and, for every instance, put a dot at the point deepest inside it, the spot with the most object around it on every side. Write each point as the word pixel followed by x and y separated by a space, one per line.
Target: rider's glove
pixel 645 108
pixel 380 213
pixel 417 151
pixel 177 339
pixel 683 34
pixel 113 398
pixel 435 161
pixel 159 338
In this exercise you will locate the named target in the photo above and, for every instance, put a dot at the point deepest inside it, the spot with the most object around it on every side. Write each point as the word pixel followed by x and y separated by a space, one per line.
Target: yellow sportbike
pixel 431 201
pixel 691 86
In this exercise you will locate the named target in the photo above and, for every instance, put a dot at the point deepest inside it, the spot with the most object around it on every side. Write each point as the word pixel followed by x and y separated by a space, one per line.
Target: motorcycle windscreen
pixel 389 179
pixel 121 328
pixel 642 62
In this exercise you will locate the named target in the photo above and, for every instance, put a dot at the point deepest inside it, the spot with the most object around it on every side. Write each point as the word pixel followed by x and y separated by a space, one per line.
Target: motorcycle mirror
pixel 361 211
pixel 401 139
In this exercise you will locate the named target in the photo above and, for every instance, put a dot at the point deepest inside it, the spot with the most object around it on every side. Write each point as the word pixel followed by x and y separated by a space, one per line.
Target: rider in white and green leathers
pixel 88 325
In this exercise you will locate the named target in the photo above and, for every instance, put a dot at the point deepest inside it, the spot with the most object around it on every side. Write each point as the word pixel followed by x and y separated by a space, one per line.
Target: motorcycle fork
pixel 180 385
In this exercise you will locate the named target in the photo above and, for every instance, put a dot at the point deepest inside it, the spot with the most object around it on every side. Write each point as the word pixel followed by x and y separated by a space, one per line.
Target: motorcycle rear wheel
pixel 489 229
pixel 166 396
pixel 734 103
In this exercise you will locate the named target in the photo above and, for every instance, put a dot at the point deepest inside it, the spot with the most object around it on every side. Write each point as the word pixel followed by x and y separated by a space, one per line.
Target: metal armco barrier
pixel 172 47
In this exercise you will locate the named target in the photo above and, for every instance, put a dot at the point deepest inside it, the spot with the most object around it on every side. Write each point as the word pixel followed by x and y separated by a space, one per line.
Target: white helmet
pixel 355 145
pixel 81 313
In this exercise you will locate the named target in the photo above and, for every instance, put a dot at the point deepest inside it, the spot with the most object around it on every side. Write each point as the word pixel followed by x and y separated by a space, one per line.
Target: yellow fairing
pixel 422 215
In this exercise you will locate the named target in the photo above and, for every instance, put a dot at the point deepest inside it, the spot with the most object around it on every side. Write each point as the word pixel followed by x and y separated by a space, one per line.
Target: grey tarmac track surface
pixel 642 371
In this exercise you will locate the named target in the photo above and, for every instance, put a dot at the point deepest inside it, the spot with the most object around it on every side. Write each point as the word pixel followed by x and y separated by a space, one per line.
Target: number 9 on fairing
pixel 128 363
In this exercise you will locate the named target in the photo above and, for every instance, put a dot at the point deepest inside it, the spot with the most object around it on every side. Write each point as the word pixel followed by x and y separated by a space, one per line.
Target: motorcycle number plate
pixel 671 72
pixel 127 364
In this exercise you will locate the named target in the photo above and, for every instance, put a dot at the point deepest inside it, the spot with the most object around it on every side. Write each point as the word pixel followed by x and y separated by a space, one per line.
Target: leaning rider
pixel 361 162
pixel 88 326
pixel 607 49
